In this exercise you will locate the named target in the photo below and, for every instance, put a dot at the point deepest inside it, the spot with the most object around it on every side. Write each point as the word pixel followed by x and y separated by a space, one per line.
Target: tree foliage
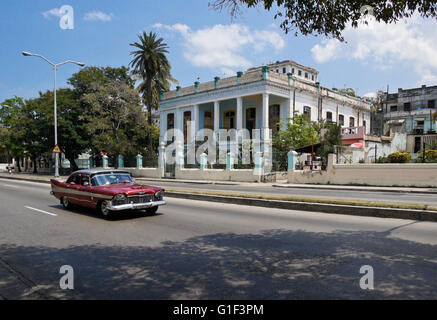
pixel 102 112
pixel 115 118
pixel 331 138
pixel 296 133
pixel 150 63
pixel 331 17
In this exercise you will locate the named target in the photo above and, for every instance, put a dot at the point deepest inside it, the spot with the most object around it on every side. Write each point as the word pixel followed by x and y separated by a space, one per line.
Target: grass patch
pixel 362 203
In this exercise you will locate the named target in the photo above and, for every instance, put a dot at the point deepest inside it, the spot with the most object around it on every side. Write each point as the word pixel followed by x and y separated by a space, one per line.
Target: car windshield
pixel 111 178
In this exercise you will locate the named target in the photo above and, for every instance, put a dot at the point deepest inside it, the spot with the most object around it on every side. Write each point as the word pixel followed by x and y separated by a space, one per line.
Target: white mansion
pixel 260 98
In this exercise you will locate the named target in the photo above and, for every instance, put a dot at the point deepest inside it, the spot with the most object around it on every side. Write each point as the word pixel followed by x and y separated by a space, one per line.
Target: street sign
pixel 56 149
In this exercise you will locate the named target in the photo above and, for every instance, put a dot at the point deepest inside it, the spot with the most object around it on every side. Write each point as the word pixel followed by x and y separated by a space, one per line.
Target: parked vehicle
pixel 108 191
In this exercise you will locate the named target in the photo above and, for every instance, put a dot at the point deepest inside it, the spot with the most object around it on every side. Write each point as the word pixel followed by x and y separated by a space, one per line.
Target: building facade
pixel 260 98
pixel 414 107
pixel 412 111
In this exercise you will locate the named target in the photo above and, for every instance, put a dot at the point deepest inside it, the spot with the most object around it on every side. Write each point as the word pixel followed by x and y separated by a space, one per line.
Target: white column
pixel 195 122
pixel 265 111
pixel 162 126
pixel 216 116
pixel 179 124
pixel 239 113
pixel 289 106
pixel 196 117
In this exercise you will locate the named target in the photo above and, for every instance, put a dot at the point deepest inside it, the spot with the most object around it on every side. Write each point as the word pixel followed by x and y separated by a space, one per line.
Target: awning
pixel 308 149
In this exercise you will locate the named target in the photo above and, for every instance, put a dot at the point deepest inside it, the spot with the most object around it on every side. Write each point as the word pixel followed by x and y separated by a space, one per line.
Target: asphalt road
pixel 419 198
pixel 201 250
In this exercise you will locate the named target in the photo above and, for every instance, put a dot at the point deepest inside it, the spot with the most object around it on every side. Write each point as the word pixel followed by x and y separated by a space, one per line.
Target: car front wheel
pixel 103 208
pixel 152 211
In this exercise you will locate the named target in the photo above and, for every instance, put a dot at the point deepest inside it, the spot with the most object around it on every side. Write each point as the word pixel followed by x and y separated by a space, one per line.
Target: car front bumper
pixel 135 206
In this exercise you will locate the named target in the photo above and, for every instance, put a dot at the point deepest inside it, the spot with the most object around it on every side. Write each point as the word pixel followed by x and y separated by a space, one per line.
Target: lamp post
pixel 55 67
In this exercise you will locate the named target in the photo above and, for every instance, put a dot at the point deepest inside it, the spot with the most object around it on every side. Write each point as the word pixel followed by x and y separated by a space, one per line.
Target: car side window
pixel 85 180
pixel 74 179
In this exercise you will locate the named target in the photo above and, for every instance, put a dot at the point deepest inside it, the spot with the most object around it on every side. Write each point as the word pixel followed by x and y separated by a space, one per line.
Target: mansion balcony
pixel 353 135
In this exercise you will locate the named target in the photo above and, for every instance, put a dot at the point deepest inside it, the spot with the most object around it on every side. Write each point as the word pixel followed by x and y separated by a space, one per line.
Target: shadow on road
pixel 274 264
pixel 116 216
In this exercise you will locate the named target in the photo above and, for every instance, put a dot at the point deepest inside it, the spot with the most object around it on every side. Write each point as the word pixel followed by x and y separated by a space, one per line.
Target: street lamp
pixel 55 66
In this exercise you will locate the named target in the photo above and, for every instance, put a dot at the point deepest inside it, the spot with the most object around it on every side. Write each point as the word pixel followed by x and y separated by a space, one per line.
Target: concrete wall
pixel 146 172
pixel 238 175
pixel 408 175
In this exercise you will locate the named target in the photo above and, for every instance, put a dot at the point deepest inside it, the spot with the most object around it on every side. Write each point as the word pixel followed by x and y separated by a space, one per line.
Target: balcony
pixel 404 114
pixel 353 134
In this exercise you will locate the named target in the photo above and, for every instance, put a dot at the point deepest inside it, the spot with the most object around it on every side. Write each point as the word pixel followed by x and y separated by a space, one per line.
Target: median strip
pixel 337 206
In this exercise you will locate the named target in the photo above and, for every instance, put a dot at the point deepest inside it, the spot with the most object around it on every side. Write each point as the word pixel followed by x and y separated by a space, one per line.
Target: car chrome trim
pixel 71 191
pixel 134 206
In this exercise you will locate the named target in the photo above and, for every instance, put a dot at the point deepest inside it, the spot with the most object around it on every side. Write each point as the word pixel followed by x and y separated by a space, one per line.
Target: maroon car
pixel 107 191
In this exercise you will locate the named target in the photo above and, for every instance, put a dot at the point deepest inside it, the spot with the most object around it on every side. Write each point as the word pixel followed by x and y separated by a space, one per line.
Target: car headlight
pixel 159 195
pixel 120 198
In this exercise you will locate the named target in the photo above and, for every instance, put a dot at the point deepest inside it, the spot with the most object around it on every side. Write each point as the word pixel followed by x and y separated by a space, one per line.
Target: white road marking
pixel 51 214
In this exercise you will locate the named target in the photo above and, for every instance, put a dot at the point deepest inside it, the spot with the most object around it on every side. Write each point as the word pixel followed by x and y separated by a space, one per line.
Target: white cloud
pixel 224 46
pixel 55 12
pixel 98 16
pixel 411 43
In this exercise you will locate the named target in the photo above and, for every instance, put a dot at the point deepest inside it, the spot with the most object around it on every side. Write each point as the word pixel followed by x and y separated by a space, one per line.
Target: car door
pixel 86 191
pixel 73 189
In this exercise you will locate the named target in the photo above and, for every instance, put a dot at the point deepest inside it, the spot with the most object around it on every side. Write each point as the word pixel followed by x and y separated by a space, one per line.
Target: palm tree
pixel 150 63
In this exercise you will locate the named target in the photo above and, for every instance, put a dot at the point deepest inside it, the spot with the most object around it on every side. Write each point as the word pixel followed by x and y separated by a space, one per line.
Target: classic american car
pixel 107 191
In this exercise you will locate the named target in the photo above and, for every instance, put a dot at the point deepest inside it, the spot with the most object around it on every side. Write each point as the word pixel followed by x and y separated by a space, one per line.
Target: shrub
pixel 382 160
pixel 430 156
pixel 399 157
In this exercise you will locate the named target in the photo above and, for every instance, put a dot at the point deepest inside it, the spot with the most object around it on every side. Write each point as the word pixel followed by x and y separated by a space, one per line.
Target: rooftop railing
pixel 279 78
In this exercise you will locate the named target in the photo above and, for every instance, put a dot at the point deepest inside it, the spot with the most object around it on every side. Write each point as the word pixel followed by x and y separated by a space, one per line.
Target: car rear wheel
pixel 103 208
pixel 152 210
pixel 65 203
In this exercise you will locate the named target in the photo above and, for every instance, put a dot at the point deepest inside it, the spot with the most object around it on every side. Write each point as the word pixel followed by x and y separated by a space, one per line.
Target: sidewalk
pixel 357 188
pixel 46 179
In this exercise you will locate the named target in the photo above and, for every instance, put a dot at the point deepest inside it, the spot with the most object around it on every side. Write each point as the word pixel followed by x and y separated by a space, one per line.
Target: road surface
pixel 202 250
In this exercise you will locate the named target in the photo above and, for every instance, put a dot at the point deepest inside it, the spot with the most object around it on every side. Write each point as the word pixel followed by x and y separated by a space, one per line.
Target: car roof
pixel 98 171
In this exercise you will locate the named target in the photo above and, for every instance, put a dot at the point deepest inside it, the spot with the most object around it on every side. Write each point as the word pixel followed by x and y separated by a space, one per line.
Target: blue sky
pixel 204 43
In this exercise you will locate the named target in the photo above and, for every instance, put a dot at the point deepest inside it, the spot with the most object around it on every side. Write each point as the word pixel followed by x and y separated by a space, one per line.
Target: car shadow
pixel 115 216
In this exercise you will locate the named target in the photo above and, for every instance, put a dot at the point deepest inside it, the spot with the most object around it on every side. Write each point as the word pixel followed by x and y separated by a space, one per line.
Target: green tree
pixel 73 138
pixel 11 116
pixel 331 17
pixel 117 124
pixel 150 63
pixel 331 138
pixel 296 133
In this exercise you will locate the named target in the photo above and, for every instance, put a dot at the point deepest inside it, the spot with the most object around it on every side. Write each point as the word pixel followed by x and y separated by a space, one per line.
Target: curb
pixel 408 214
pixel 25 179
pixel 340 187
pixel 189 181
pixel 418 215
